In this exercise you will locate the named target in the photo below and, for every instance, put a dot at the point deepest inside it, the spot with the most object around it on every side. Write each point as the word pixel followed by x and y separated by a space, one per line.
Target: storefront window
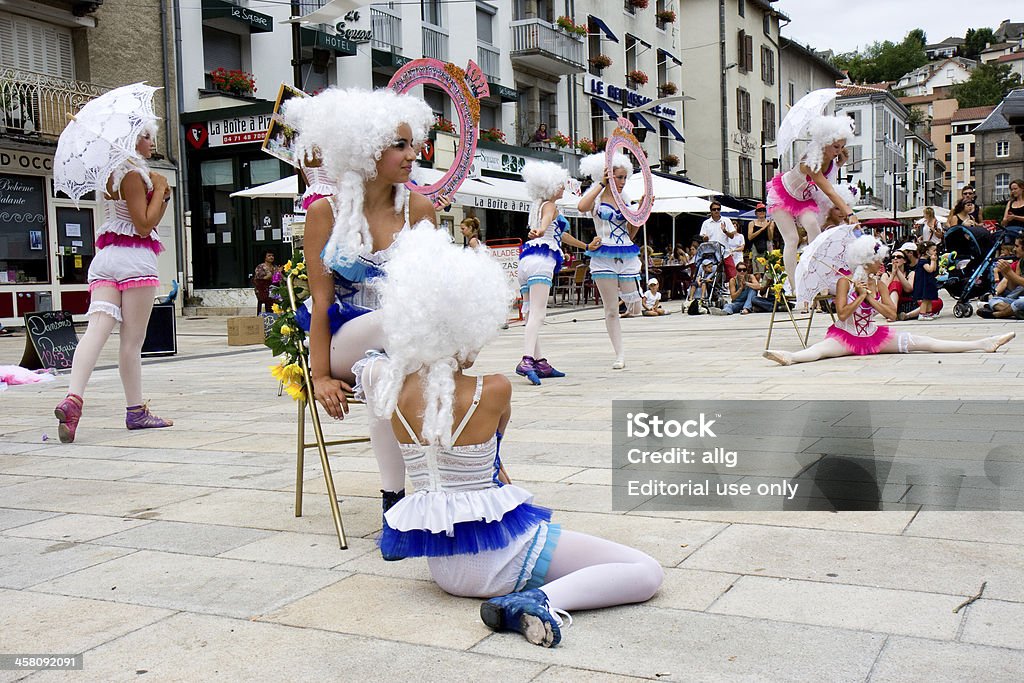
pixel 24 242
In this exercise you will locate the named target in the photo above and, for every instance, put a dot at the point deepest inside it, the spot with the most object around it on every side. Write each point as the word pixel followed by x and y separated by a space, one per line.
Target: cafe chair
pixel 308 402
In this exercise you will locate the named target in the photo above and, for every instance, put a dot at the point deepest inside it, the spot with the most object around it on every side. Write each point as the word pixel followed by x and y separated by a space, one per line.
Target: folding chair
pixel 785 301
pixel 320 444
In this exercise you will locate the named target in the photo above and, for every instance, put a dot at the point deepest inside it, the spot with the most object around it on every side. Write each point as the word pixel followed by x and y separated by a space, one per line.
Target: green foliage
pixel 993 212
pixel 917 117
pixel 975 40
pixel 988 85
pixel 886 61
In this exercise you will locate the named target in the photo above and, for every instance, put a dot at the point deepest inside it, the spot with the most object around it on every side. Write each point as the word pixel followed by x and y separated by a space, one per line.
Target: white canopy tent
pixel 918 212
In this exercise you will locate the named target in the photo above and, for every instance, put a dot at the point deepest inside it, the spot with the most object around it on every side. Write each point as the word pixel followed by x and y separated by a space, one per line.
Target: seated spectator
pixel 744 290
pixel 652 299
pixel 1008 301
pixel 910 308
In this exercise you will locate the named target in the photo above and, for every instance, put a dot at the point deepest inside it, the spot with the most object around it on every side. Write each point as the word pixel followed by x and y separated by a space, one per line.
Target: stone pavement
pixel 175 553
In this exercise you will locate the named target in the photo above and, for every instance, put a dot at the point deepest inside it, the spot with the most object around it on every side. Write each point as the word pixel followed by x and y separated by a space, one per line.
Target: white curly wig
pixel 544 179
pixel 351 128
pixel 440 304
pixel 593 165
pixel 862 251
pixel 823 131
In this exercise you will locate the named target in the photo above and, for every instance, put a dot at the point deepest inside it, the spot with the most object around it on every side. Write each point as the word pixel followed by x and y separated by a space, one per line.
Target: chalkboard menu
pixel 50 340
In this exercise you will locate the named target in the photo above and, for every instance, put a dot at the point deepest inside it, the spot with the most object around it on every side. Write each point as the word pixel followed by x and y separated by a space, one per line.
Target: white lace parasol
pixel 100 138
pixel 794 125
pixel 822 262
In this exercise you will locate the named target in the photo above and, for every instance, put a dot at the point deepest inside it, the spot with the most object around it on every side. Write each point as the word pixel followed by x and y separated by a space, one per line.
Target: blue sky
pixel 848 25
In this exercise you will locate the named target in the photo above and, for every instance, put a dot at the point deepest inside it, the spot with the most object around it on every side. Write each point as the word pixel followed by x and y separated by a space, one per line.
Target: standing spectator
pixel 760 236
pixel 541 134
pixel 926 289
pixel 261 281
pixel 932 231
pixel 1014 214
pixel 969 194
pixel 720 230
pixel 470 228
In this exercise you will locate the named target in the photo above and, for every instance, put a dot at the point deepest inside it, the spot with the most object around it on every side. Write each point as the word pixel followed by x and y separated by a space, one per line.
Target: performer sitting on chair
pixel 480 538
pixel 368 142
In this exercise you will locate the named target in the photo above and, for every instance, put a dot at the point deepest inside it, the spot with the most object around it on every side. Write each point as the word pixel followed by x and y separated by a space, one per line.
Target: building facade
pixel 999 157
pixel 54 57
pixel 877 149
pixel 963 147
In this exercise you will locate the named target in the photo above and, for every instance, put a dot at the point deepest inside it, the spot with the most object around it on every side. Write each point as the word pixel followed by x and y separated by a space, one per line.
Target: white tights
pixel 832 348
pixel 535 315
pixel 609 290
pixel 135 305
pixel 791 237
pixel 588 572
pixel 349 344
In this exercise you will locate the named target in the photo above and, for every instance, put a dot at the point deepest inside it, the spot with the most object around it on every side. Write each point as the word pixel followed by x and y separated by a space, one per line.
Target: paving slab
pixel 11 518
pixel 991 527
pixel 992 622
pixel 913 660
pixel 75 527
pixel 184 537
pixel 95 497
pixel 194 584
pixel 26 562
pixel 304 550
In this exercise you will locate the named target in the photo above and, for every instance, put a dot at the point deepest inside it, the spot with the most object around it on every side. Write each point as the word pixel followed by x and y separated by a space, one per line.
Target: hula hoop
pixel 465 88
pixel 623 137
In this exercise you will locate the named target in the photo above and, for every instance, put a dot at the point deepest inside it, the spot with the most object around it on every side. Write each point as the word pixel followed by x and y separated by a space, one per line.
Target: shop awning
pixel 669 129
pixel 606 108
pixel 257 22
pixel 668 55
pixel 603 28
pixel 642 120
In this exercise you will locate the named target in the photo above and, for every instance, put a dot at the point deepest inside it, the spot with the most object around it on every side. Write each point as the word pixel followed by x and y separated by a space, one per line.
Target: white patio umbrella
pixel 285 188
pixel 101 137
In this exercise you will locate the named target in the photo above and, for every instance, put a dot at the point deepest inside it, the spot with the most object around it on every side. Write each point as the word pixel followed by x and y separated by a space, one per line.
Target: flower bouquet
pixel 774 272
pixel 286 340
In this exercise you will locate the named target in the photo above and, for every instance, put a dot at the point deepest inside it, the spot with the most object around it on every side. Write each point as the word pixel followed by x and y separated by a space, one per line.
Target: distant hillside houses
pixel 950 47
pixel 924 80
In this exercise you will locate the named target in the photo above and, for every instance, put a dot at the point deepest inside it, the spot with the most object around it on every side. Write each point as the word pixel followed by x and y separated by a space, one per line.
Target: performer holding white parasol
pixel 802 195
pixel 104 150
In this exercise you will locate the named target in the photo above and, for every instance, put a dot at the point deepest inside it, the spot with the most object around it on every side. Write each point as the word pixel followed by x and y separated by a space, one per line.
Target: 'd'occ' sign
pixel 465 88
pixel 50 340
pixel 623 137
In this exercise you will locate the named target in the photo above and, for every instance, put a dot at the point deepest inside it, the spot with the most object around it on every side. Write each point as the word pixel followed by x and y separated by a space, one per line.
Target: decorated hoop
pixel 465 88
pixel 623 137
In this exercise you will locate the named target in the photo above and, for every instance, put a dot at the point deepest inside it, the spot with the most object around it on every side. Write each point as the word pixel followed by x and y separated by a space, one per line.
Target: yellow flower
pixel 760 259
pixel 277 309
pixel 288 267
pixel 296 392
pixel 303 276
pixel 777 253
pixel 286 331
pixel 300 266
pixel 278 372
pixel 295 373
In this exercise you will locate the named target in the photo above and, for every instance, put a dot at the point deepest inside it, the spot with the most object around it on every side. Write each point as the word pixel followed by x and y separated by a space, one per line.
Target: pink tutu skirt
pixel 779 198
pixel 858 345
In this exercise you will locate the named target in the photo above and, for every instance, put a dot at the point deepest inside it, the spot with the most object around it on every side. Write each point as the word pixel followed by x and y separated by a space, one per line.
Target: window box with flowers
pixel 664 18
pixel 492 135
pixel 586 145
pixel 600 61
pixel 234 81
pixel 568 26
pixel 637 77
pixel 668 88
pixel 560 140
pixel 444 125
pixel 669 161
pixel 638 4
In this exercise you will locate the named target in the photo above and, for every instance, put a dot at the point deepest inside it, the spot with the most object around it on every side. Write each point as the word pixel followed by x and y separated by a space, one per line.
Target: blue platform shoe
pixel 528 613
pixel 544 369
pixel 528 369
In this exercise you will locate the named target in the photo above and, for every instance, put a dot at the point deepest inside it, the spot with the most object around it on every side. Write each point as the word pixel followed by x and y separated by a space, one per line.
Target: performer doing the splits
pixel 803 195
pixel 541 259
pixel 858 298
pixel 368 142
pixel 480 538
pixel 614 264
pixel 123 279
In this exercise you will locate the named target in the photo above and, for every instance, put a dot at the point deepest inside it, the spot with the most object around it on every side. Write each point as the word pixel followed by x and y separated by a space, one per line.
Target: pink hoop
pixel 623 137
pixel 465 88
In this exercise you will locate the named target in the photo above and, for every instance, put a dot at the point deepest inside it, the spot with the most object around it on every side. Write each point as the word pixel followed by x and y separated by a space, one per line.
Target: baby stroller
pixel 970 275
pixel 713 253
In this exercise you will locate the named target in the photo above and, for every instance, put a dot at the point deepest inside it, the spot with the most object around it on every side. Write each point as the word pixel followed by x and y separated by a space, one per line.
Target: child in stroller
pixel 710 275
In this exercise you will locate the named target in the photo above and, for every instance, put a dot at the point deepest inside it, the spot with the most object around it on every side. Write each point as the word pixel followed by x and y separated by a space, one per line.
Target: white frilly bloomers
pixel 440 511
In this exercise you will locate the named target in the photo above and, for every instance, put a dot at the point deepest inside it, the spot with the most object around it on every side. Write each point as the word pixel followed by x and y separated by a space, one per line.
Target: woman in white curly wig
pixel 614 264
pixel 541 259
pixel 368 143
pixel 122 281
pixel 858 298
pixel 803 195
pixel 481 538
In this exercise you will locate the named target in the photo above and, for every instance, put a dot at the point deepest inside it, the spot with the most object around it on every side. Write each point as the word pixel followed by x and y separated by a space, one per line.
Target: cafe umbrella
pixel 101 137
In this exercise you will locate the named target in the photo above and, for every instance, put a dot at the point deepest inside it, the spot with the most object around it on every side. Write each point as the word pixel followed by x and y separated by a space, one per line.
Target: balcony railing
pixel 489 59
pixel 435 43
pixel 541 46
pixel 387 30
pixel 38 105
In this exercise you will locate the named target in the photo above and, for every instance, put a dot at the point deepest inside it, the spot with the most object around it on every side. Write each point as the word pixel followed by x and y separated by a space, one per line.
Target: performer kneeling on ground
pixel 541 259
pixel 858 298
pixel 481 539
